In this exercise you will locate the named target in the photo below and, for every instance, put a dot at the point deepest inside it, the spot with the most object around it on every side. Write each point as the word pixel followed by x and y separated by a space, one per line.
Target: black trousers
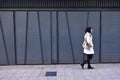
pixel 89 57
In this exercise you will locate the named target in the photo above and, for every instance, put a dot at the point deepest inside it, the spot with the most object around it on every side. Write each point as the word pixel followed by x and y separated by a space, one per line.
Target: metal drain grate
pixel 51 74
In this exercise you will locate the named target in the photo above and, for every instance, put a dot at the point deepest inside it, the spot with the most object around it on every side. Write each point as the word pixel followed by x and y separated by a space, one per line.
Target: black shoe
pixel 90 68
pixel 82 65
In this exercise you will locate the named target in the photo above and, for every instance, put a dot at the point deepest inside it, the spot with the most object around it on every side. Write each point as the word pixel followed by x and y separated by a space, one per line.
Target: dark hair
pixel 88 29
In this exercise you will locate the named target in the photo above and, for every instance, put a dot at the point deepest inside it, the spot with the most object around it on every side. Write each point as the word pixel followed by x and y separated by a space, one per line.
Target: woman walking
pixel 88 47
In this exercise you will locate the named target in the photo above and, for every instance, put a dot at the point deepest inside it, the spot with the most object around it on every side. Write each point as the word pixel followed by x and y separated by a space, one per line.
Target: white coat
pixel 89 38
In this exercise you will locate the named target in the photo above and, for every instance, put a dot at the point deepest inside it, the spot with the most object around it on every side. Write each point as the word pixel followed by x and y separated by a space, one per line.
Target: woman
pixel 88 51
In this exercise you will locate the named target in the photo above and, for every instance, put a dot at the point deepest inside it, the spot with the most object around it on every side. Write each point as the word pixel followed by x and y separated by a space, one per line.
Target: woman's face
pixel 91 30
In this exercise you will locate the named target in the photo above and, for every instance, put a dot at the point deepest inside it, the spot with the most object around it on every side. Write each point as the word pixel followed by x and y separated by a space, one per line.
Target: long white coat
pixel 89 38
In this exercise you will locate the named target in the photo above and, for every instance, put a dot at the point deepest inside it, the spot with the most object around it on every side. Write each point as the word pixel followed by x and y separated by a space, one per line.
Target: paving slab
pixel 104 71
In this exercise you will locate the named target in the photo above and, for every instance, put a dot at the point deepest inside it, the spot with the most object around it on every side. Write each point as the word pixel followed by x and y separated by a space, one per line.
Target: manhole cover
pixel 51 73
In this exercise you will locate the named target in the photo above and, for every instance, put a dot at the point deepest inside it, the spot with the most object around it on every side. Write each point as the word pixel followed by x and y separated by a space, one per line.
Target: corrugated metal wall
pixel 53 37
pixel 29 35
pixel 59 4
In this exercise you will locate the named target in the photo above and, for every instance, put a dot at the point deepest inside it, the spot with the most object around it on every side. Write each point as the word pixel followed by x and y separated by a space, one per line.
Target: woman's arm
pixel 89 39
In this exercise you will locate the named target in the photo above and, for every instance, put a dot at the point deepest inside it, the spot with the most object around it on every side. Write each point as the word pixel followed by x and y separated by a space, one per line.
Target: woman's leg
pixel 84 61
pixel 87 60
pixel 89 57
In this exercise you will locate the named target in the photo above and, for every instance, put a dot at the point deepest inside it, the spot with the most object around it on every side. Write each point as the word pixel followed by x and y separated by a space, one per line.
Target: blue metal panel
pixel 33 42
pixel 3 56
pixel 65 54
pixel 54 38
pixel 20 36
pixel 46 36
pixel 110 36
pixel 8 30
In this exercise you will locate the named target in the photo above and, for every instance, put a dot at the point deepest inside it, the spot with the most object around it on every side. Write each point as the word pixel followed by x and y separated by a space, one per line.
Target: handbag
pixel 85 44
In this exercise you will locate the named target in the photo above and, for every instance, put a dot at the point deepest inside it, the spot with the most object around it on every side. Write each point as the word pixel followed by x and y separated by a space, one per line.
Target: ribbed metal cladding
pixel 59 3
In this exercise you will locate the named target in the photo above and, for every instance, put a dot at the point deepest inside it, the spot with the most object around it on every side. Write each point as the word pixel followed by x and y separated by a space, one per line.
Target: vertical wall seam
pixel 51 34
pixel 26 37
pixel 40 37
pixel 100 34
pixel 57 29
pixel 15 46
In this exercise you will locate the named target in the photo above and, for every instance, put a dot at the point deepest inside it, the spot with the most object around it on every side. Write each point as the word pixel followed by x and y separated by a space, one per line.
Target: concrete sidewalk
pixel 63 72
